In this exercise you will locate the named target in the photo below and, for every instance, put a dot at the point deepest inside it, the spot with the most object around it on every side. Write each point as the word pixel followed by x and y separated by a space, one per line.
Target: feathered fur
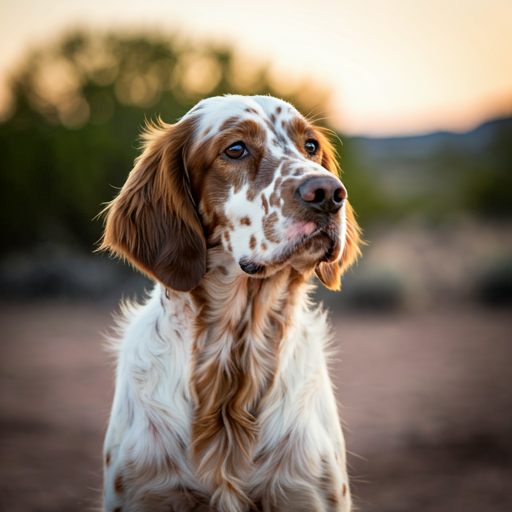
pixel 223 401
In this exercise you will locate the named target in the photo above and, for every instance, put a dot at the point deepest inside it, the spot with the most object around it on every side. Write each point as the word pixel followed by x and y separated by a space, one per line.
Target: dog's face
pixel 249 174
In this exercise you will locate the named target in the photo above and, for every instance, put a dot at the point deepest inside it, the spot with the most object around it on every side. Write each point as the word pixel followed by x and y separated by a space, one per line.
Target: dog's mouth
pixel 251 268
pixel 322 243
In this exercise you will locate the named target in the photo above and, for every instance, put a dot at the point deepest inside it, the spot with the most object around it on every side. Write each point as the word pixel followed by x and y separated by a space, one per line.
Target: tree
pixel 78 109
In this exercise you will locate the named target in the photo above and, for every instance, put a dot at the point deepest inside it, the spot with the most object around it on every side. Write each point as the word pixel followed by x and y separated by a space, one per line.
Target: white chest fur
pixel 148 445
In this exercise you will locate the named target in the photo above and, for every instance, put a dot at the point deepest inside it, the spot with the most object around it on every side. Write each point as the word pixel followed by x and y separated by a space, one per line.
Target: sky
pixel 395 67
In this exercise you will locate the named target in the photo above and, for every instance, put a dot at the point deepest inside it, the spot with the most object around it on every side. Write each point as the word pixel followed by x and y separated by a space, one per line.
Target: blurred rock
pixel 377 292
pixel 366 290
pixel 494 288
pixel 53 271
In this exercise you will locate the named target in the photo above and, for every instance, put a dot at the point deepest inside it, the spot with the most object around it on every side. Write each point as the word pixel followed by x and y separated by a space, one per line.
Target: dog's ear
pixel 330 273
pixel 153 222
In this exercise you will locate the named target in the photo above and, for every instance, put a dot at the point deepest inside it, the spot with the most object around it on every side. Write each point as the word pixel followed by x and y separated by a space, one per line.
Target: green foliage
pixel 363 193
pixel 434 178
pixel 79 108
pixel 488 190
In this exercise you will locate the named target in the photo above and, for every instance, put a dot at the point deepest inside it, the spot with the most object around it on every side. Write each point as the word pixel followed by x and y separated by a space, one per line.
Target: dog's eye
pixel 236 151
pixel 311 146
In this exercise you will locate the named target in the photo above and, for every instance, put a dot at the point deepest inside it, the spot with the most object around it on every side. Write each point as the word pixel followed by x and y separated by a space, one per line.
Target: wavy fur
pixel 223 401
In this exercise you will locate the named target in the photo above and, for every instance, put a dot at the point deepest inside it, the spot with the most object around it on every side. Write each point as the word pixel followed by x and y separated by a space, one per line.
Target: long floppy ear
pixel 153 222
pixel 330 273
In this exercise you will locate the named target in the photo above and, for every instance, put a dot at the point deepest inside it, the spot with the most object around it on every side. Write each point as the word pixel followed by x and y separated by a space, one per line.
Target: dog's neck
pixel 241 324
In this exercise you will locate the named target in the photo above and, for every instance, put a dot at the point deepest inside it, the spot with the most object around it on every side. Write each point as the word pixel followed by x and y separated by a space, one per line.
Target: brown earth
pixel 427 402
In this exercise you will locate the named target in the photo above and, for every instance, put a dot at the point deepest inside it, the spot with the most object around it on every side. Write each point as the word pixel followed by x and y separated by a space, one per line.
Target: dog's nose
pixel 323 193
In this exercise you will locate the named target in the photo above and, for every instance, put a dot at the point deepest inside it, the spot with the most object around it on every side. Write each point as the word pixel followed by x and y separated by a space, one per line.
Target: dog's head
pixel 248 174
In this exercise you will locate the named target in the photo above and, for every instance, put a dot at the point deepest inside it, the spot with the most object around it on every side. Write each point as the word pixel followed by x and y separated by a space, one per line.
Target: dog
pixel 223 400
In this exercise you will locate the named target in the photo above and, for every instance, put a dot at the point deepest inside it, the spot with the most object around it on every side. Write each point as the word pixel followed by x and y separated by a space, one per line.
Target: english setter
pixel 223 401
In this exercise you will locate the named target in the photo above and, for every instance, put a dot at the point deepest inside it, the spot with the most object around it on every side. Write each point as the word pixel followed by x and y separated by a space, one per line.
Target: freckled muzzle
pixel 314 236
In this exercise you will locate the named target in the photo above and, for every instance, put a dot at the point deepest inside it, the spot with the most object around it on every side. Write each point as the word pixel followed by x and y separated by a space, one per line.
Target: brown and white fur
pixel 223 401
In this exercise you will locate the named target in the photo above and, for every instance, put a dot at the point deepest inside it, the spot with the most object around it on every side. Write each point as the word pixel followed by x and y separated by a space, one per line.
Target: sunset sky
pixel 394 66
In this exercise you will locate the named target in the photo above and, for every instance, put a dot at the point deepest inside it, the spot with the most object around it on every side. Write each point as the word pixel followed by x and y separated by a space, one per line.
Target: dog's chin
pixel 320 248
pixel 303 255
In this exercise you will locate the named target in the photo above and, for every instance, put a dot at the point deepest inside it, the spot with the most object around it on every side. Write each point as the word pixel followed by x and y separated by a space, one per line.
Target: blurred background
pixel 420 96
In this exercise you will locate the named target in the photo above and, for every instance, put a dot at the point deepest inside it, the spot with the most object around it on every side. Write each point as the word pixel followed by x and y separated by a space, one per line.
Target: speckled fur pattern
pixel 223 401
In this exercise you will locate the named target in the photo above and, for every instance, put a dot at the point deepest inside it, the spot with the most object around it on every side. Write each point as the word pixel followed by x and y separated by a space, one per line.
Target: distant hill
pixel 440 173
pixel 423 146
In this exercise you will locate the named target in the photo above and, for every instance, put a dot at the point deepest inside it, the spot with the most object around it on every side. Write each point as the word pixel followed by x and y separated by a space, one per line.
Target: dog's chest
pixel 164 427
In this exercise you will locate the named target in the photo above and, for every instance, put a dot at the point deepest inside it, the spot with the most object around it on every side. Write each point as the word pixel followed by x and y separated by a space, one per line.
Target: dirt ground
pixel 426 400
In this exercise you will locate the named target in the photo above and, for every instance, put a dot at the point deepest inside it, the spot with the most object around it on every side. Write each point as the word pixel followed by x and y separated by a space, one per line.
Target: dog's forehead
pixel 213 113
